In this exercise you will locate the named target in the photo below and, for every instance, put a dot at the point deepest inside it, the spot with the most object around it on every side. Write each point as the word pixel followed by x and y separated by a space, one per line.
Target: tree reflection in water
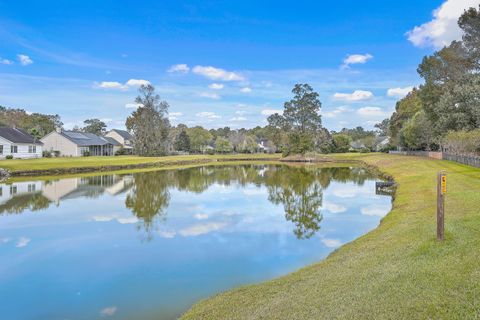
pixel 299 189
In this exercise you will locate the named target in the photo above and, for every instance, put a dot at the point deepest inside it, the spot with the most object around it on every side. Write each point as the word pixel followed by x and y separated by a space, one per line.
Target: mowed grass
pixel 18 165
pixel 397 271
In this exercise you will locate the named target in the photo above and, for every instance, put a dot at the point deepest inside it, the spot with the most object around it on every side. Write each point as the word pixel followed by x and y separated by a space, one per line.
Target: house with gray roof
pixel 76 144
pixel 19 144
pixel 123 137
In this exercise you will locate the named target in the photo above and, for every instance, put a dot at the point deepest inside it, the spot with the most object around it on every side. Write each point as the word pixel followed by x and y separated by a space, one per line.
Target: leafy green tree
pixel 341 142
pixel 222 145
pixel 149 123
pixel 248 145
pixel 417 133
pixel 200 138
pixel 301 119
pixel 95 126
pixel 405 109
pixel 182 143
pixel 382 127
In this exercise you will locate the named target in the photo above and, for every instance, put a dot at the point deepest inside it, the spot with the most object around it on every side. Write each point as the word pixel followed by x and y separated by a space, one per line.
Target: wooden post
pixel 441 190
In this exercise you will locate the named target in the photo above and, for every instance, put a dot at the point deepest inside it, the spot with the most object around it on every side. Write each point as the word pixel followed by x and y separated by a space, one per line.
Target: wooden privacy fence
pixel 470 160
pixel 473 161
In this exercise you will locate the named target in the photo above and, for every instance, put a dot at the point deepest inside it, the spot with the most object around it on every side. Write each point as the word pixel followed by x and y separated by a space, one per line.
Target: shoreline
pixel 385 273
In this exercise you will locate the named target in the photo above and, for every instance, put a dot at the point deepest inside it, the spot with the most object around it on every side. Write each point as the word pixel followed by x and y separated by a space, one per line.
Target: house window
pixel 14 149
pixel 1 149
pixel 32 149
pixel 13 190
pixel 31 188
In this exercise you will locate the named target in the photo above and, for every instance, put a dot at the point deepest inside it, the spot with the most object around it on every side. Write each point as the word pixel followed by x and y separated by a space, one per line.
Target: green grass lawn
pixel 19 165
pixel 397 271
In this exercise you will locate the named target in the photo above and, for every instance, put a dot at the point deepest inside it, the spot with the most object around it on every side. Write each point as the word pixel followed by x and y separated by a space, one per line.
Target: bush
pixel 210 151
pixel 364 150
pixel 46 154
pixel 86 153
pixel 121 152
pixel 8 157
pixel 56 153
pixel 462 142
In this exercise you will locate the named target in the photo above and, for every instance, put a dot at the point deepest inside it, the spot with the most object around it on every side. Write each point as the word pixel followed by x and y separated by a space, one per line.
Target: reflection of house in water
pixel 91 187
pixel 19 195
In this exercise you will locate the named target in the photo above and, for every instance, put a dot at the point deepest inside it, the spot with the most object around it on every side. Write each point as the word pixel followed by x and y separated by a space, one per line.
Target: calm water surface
pixel 149 245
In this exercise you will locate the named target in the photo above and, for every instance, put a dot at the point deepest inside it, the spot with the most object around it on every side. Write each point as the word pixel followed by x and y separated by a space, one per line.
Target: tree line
pixel 444 112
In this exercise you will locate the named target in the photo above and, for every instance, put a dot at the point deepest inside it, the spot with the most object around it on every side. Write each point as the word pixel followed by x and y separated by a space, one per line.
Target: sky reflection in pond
pixel 148 245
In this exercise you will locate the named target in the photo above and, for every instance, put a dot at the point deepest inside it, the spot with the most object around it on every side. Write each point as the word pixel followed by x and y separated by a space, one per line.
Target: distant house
pixel 263 147
pixel 381 143
pixel 19 144
pixel 357 145
pixel 76 144
pixel 123 137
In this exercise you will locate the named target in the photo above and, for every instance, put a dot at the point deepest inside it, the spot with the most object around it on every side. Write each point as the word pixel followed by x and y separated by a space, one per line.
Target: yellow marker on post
pixel 441 191
pixel 444 184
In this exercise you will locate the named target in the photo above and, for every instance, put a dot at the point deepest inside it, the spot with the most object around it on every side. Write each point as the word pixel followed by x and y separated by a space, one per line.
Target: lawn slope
pixel 397 271
pixel 64 165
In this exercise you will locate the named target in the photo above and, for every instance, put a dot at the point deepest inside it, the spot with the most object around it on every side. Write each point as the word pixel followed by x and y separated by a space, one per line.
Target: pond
pixel 149 245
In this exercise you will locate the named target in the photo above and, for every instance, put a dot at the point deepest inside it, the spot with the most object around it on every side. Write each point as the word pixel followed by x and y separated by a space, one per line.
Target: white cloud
pixel 5 240
pixel 116 217
pixel 208 115
pixel 357 95
pixel 203 228
pixel 375 210
pixel 356 59
pixel 133 105
pixel 108 311
pixel 112 85
pixel 5 61
pixel 174 115
pixel 269 112
pixel 332 243
pixel 179 68
pixel 216 86
pixel 201 216
pixel 334 208
pixel 443 28
pixel 168 234
pixel 399 92
pixel 240 112
pixel 115 85
pixel 371 112
pixel 217 73
pixel 137 82
pixel 22 242
pixel 210 95
pixel 238 119
pixel 335 112
pixel 246 90
pixel 24 59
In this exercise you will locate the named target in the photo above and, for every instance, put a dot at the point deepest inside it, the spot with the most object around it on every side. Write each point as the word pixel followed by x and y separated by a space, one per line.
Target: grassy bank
pixel 45 166
pixel 397 271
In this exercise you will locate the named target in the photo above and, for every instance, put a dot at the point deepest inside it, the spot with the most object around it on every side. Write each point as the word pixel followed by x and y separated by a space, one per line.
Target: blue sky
pixel 217 63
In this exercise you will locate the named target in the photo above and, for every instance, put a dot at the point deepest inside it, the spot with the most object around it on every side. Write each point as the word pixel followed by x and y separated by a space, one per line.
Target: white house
pixel 76 144
pixel 19 144
pixel 123 137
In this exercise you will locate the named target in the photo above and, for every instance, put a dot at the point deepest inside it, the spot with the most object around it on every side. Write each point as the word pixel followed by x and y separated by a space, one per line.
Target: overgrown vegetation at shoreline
pixel 397 271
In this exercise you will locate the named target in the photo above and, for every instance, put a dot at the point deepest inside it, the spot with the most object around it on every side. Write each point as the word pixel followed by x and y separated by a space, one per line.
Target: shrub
pixel 56 153
pixel 462 142
pixel 364 150
pixel 46 154
pixel 86 153
pixel 8 157
pixel 121 152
